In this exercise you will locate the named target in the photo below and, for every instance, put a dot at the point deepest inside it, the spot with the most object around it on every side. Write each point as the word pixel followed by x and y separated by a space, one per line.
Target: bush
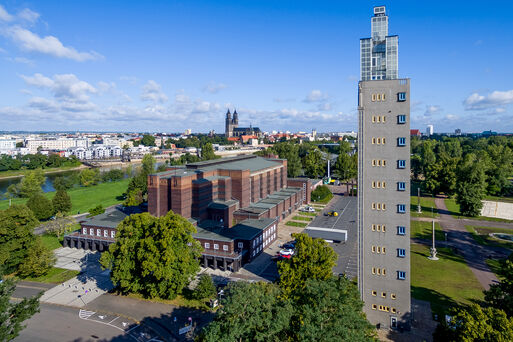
pixel 89 177
pixel 321 193
pixel 113 175
pixel 205 289
pixel 41 206
pixel 96 211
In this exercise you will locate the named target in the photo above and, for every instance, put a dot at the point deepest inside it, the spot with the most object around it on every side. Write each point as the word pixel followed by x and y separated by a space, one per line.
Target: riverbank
pixel 84 198
pixel 12 174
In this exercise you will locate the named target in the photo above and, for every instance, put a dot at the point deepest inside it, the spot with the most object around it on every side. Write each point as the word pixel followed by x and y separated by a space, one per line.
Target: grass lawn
pixel 424 230
pixel 11 173
pixel 55 276
pixel 302 218
pixel 180 300
pixel 426 203
pixel 84 198
pixel 302 213
pixel 296 224
pixel 482 237
pixel 454 210
pixel 499 199
pixel 444 283
pixel 51 241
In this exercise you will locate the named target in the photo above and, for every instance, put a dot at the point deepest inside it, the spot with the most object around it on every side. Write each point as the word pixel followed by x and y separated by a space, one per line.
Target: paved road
pixel 347 252
pixel 473 253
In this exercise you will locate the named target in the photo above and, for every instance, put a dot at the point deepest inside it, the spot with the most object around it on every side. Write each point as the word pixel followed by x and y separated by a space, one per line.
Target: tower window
pixel 401 119
pixel 401 141
pixel 401 186
pixel 401 252
pixel 401 164
pixel 401 97
pixel 401 230
pixel 401 208
pixel 401 275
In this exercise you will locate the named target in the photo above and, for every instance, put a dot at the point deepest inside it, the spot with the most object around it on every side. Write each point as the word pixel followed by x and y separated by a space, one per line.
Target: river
pixel 48 184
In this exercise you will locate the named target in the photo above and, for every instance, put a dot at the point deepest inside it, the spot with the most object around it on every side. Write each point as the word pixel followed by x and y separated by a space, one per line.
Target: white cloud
pixel 49 45
pixel 495 99
pixel 432 109
pixel 21 60
pixel 324 106
pixel 28 15
pixel 152 91
pixel 104 87
pixel 4 16
pixel 214 88
pixel 315 96
pixel 43 104
pixel 451 117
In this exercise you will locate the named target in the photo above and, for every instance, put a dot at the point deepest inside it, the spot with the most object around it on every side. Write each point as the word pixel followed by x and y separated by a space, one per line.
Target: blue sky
pixel 164 66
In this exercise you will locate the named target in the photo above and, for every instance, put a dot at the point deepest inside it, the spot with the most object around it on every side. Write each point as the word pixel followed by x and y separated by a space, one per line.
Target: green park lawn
pixel 55 276
pixel 51 241
pixel 296 224
pixel 302 213
pixel 324 200
pixel 427 206
pixel 454 210
pixel 424 230
pixel 482 237
pixel 84 198
pixel 302 218
pixel 445 283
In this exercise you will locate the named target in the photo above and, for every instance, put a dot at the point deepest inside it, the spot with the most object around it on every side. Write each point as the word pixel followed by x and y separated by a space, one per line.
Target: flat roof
pixel 110 218
pixel 245 230
pixel 222 204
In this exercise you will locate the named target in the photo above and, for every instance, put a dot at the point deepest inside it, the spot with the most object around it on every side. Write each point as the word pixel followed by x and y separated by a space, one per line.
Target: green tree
pixel 89 177
pixel 501 159
pixel 205 288
pixel 39 260
pixel 207 152
pixel 13 314
pixel 31 183
pixel 148 164
pixel 321 193
pixel 134 198
pixel 61 202
pixel 251 312
pixel 154 256
pixel 41 206
pixel 148 140
pixel 16 236
pixel 313 259
pixel 314 163
pixel 96 210
pixel 330 310
pixel 471 185
pixel 500 295
pixel 476 324
pixel 346 165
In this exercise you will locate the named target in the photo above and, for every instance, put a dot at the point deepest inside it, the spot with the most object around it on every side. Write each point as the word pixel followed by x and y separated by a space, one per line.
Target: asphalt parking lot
pixel 346 207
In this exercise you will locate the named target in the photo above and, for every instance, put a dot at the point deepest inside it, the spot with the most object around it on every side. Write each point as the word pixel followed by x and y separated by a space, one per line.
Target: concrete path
pixel 473 253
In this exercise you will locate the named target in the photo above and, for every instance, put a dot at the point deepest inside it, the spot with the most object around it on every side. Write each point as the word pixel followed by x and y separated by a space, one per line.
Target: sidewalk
pixel 473 253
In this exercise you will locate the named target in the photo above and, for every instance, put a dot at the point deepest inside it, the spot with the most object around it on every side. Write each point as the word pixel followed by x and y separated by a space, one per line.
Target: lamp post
pixel 432 250
pixel 418 197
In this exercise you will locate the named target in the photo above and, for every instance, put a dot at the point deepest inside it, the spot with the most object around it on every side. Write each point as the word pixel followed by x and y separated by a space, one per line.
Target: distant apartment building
pixel 383 181
pixel 96 151
pixel 7 144
pixel 55 144
pixel 429 130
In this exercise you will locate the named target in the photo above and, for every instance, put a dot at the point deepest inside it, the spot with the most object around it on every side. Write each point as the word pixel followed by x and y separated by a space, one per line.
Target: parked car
pixel 288 245
pixel 287 253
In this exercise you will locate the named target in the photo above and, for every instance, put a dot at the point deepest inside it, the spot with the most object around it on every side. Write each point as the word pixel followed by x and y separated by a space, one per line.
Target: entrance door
pixel 393 322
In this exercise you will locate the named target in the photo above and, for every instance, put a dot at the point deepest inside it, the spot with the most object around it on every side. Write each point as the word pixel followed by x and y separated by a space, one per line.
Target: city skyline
pixel 283 66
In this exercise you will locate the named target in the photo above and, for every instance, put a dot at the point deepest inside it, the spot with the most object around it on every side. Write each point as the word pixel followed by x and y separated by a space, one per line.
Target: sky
pixel 167 66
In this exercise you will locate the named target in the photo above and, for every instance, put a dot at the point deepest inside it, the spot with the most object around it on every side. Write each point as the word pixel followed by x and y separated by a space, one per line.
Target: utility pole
pixel 432 250
pixel 418 197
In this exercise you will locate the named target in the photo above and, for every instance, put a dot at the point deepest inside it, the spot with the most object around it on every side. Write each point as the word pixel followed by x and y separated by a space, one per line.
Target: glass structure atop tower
pixel 378 54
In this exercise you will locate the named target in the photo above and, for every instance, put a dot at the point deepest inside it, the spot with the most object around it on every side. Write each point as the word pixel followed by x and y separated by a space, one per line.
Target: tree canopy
pixel 313 259
pixel 31 183
pixel 41 206
pixel 207 152
pixel 500 295
pixel 154 256
pixel 16 236
pixel 13 314
pixel 148 140
pixel 61 202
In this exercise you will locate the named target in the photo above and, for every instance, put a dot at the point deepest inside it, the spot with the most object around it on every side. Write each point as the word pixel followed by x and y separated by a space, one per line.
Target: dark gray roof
pixel 222 204
pixel 245 230
pixel 111 218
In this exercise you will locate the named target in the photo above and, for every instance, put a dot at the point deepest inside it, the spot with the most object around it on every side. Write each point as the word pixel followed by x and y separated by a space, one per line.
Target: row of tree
pixel 36 161
pixel 465 167
pixel 310 160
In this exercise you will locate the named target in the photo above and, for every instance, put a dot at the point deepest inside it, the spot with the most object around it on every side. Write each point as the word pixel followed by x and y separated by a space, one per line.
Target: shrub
pixel 96 211
pixel 321 193
pixel 61 202
pixel 205 289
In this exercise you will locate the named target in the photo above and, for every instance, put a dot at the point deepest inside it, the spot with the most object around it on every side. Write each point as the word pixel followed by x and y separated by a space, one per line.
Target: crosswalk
pixel 84 314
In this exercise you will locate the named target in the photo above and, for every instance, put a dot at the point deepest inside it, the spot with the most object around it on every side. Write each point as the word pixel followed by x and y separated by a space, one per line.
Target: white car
pixel 287 253
pixel 307 209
